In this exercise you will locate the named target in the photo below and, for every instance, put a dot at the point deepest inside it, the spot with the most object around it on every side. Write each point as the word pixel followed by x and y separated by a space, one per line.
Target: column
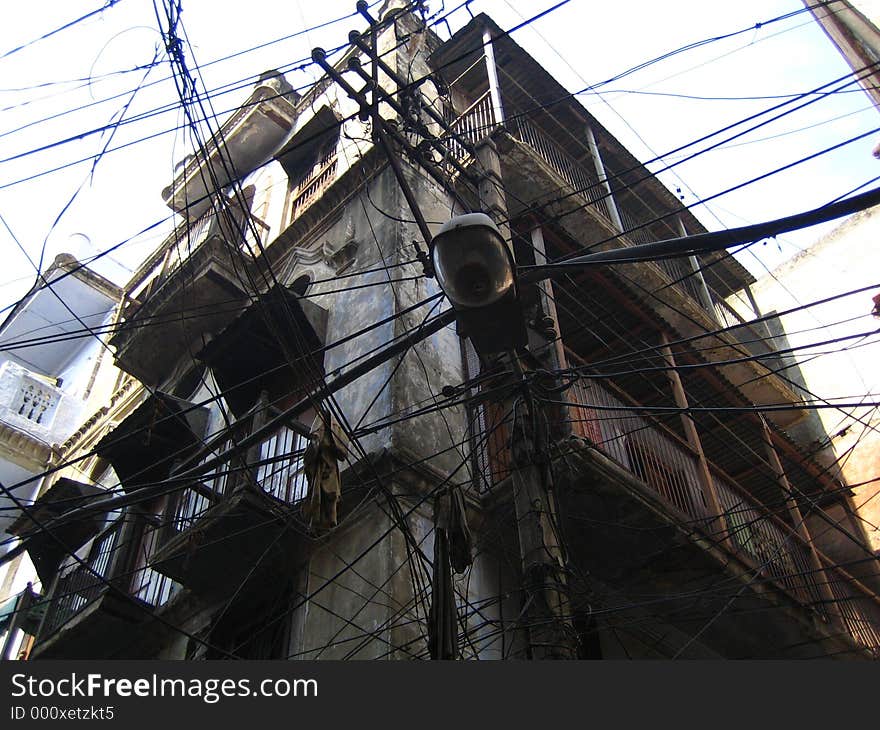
pixel 794 512
pixel 603 179
pixel 492 73
pixel 702 288
pixel 707 483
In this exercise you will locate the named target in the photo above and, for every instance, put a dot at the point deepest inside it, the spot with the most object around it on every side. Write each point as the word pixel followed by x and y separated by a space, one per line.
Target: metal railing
pixel 678 270
pixel 772 547
pixel 181 243
pixel 192 502
pixel 147 584
pixel 313 184
pixel 654 455
pixel 279 473
pixel 234 224
pixel 471 125
pixel 855 608
pixel 581 178
pixel 79 586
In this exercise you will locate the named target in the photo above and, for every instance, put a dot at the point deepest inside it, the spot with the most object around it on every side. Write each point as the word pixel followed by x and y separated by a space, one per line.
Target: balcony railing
pixel 278 473
pixel 640 231
pixel 234 224
pixel 313 185
pixel 668 465
pixel 147 584
pixel 653 454
pixel 182 242
pixel 36 401
pixel 581 179
pixel 81 585
pixel 770 544
pixel 281 473
pixel 854 607
pixel 27 401
pixel 471 126
pixel 659 458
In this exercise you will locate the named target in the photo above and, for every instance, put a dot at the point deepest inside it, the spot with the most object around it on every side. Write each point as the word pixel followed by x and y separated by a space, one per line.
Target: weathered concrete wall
pixel 372 591
pixel 376 604
pixel 436 361
pixel 352 615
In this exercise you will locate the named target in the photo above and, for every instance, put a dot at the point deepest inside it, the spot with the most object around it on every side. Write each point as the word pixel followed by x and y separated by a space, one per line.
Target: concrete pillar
pixel 493 201
pixel 797 519
pixel 545 294
pixel 702 287
pixel 492 73
pixel 707 483
pixel 603 179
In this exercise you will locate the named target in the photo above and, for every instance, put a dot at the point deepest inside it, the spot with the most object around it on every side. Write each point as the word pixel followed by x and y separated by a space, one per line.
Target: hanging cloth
pixel 451 515
pixel 327 445
pixel 442 616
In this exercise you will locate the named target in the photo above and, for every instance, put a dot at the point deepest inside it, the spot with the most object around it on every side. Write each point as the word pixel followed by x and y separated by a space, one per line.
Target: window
pixel 281 473
pixel 310 161
pixel 313 181
pixel 149 586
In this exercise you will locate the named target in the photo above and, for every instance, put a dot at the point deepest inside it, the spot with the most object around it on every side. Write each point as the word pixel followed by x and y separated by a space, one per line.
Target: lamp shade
pixel 472 263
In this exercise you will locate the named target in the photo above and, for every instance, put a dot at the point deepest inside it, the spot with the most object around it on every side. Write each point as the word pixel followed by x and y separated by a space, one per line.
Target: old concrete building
pixel 673 519
pixel 47 370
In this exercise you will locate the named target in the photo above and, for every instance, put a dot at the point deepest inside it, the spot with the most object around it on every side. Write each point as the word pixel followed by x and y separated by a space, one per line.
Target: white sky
pixel 580 43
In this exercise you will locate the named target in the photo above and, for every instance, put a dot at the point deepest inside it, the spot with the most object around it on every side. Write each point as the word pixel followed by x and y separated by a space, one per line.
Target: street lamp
pixel 475 270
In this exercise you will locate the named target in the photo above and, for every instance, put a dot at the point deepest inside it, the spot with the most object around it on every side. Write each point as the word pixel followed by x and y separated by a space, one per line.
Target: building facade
pixel 674 516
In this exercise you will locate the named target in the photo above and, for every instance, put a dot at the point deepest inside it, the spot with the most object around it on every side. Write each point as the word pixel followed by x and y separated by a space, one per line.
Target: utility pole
pixel 546 601
pixel 545 596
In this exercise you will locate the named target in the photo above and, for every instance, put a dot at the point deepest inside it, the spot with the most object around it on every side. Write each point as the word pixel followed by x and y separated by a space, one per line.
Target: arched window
pixel 301 284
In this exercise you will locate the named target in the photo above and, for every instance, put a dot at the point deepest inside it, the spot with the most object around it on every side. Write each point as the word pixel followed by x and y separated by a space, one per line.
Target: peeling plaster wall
pixel 353 594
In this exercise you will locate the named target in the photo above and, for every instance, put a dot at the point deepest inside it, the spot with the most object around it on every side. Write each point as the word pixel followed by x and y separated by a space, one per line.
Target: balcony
pixel 28 401
pixel 237 521
pixel 267 347
pixel 638 516
pixel 578 179
pixel 103 607
pixel 249 138
pixel 144 446
pixel 46 551
pixel 598 197
pixel 193 289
